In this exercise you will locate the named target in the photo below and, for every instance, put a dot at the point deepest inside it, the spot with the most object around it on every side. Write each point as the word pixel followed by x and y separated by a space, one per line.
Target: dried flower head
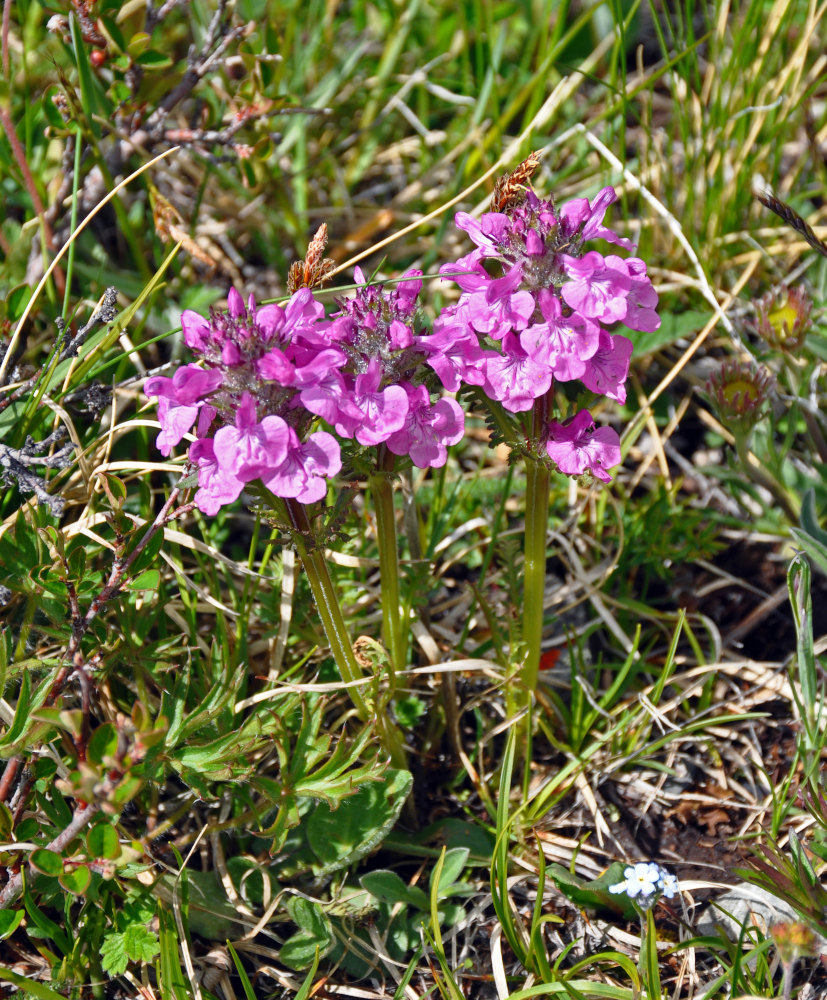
pixel 784 318
pixel 510 189
pixel 793 941
pixel 740 393
pixel 314 270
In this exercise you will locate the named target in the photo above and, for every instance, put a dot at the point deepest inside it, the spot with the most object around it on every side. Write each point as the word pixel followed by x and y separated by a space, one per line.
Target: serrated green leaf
pixel 137 943
pixel 114 958
pixel 141 943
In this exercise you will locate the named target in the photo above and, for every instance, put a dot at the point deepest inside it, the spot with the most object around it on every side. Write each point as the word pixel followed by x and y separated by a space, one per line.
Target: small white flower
pixel 668 883
pixel 641 880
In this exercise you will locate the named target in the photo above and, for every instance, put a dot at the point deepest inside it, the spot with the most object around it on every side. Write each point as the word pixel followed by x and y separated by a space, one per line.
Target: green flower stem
pixel 327 603
pixel 761 478
pixel 393 631
pixel 333 622
pixel 536 526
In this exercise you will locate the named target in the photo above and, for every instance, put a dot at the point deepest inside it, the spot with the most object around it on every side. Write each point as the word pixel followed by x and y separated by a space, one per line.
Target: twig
pixel 78 821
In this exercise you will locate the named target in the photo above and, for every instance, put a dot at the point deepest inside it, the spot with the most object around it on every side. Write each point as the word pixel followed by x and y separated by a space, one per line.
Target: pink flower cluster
pixel 536 307
pixel 268 373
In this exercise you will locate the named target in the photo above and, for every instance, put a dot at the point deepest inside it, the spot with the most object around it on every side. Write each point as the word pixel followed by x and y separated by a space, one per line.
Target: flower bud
pixel 740 392
pixel 784 318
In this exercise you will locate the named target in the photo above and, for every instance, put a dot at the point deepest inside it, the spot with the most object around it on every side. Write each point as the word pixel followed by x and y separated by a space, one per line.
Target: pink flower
pixel 383 410
pixel 578 216
pixel 532 276
pixel 217 487
pixel 179 400
pixel 306 467
pixel 642 299
pixel 576 447
pixel 488 232
pixel 563 343
pixel 596 290
pixel 249 450
pixel 514 378
pixel 501 307
pixel 428 430
pixel 607 369
pixel 454 353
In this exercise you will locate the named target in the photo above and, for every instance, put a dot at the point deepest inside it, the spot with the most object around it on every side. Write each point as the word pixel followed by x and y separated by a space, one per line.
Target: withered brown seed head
pixel 510 189
pixel 793 219
pixel 313 270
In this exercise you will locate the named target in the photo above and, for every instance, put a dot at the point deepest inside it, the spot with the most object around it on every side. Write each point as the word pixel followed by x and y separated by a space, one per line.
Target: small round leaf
pixel 102 842
pixel 102 743
pixel 76 881
pixel 46 861
pixel 9 922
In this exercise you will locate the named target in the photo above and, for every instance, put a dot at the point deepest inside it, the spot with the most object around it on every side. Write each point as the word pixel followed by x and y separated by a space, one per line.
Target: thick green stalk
pixel 777 490
pixel 327 603
pixel 333 622
pixel 393 631
pixel 536 526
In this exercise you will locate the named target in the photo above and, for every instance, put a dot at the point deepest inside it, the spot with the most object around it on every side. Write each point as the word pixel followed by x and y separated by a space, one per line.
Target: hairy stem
pixel 769 483
pixel 333 622
pixel 393 632
pixel 536 526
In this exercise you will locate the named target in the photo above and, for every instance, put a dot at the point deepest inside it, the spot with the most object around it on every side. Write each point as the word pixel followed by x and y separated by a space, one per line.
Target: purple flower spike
pixel 577 447
pixel 541 284
pixel 267 374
